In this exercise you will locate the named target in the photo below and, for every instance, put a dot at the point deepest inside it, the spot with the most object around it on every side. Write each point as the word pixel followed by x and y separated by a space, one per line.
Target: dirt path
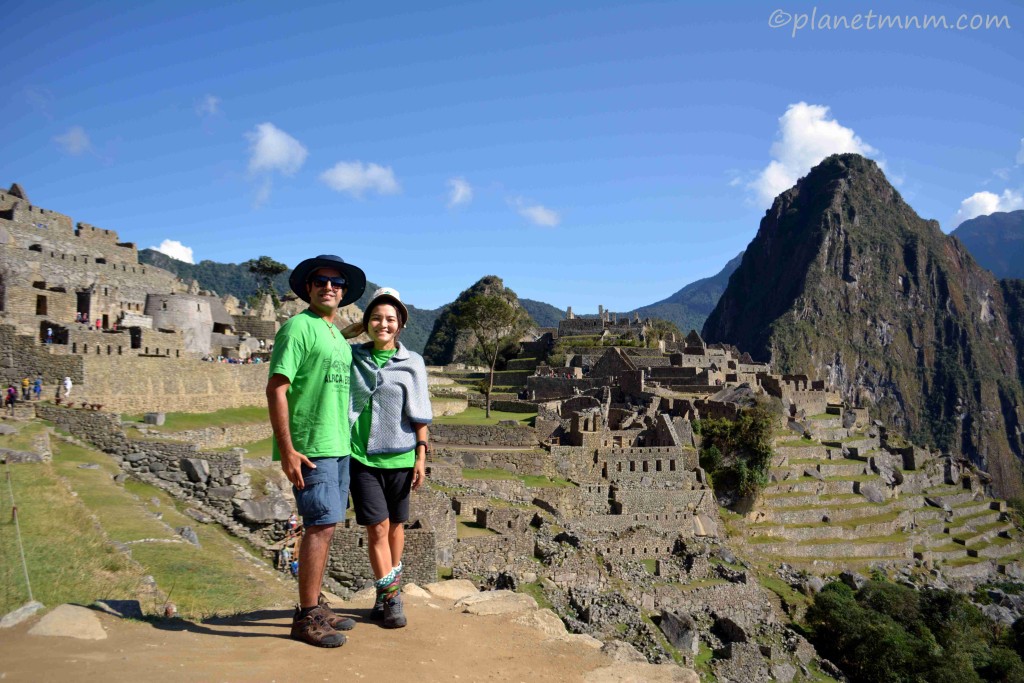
pixel 439 644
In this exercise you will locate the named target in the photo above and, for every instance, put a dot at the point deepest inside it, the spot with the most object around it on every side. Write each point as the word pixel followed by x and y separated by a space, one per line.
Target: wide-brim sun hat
pixel 391 296
pixel 355 278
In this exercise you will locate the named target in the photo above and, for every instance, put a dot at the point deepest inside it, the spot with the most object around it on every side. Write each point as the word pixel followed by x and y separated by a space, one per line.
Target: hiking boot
pixel 314 629
pixel 337 622
pixel 394 614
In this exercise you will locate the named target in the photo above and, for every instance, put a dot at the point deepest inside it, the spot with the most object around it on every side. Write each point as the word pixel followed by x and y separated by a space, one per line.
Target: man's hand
pixel 291 465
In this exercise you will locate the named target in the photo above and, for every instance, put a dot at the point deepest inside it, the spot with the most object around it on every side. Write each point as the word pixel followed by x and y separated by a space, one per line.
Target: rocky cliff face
pixel 446 343
pixel 844 281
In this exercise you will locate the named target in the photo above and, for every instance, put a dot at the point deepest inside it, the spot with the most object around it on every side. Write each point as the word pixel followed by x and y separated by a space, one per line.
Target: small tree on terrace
pixel 266 269
pixel 495 323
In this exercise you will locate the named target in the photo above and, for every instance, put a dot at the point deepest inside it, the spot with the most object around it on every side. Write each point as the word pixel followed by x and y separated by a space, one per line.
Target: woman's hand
pixel 353 330
pixel 419 471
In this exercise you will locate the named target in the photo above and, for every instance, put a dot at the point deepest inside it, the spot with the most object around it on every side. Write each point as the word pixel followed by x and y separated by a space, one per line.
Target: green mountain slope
pixel 996 242
pixel 845 282
pixel 690 306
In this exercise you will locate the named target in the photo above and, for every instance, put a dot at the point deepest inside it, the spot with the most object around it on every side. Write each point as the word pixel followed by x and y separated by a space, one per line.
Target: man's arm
pixel 291 460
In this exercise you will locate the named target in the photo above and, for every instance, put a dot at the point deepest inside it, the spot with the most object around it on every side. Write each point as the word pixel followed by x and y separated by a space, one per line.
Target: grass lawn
pixel 68 557
pixel 535 481
pixel 179 422
pixel 467 529
pixel 255 449
pixel 203 581
pixel 22 440
pixel 477 416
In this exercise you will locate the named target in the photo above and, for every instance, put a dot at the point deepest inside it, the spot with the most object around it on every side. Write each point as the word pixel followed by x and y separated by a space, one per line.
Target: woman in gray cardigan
pixel 390 413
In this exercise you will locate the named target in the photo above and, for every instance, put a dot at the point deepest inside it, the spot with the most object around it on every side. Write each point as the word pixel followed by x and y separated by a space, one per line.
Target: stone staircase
pixel 841 500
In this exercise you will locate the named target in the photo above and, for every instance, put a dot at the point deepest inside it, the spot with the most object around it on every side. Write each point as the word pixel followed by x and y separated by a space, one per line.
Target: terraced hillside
pixel 840 498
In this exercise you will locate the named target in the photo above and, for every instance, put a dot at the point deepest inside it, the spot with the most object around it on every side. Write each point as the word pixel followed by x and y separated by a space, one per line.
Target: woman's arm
pixel 419 470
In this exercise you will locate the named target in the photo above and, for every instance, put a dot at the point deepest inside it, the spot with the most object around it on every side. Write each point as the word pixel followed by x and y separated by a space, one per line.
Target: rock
pixel 198 515
pixel 545 621
pixel 22 613
pixel 849 419
pixel 414 591
pixel 135 457
pixel 872 492
pixel 998 614
pixel 197 469
pixel 223 493
pixel 621 651
pixel 88 466
pixel 70 621
pixel 157 419
pixel 813 585
pixel 188 534
pixel 455 589
pixel 13 457
pixel 496 602
pixel 585 640
pixel 635 672
pixel 8 429
pixel 813 473
pixel 529 577
pixel 681 631
pixel 783 672
pixel 853 579
pixel 126 609
pixel 264 510
pixel 241 480
pixel 120 478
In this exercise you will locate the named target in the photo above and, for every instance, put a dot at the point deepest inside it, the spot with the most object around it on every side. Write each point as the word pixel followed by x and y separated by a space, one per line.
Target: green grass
pixel 536 591
pixel 68 557
pixel 533 480
pixel 178 422
pixel 254 449
pixel 650 565
pixel 444 573
pixel 798 443
pixel 790 596
pixel 465 529
pixel 209 580
pixel 477 416
pixel 24 438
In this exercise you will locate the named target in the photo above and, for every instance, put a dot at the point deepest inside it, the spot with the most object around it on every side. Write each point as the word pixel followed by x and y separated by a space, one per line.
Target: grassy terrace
pixel 179 422
pixel 67 536
pixel 846 524
pixel 477 416
pixel 797 443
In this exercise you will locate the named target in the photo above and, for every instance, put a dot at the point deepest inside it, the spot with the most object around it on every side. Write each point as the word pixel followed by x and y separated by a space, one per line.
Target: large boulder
pixel 264 510
pixel 681 630
pixel 197 469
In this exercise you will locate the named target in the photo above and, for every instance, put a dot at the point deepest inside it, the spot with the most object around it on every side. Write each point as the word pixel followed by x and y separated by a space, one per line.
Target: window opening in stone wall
pixel 671 465
pixel 657 466
pixel 40 304
pixel 632 466
pixel 163 305
pixel 39 284
pixel 101 260
pixel 109 349
pixel 82 303
pixel 74 347
pixel 645 465
pixel 36 247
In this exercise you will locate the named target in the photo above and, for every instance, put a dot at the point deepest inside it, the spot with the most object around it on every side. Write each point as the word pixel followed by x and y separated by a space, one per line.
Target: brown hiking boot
pixel 337 622
pixel 314 629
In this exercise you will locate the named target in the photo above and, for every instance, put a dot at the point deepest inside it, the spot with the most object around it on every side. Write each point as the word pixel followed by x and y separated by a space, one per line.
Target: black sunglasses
pixel 322 280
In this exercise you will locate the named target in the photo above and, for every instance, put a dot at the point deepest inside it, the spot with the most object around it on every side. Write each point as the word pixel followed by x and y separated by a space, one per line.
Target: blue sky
pixel 586 152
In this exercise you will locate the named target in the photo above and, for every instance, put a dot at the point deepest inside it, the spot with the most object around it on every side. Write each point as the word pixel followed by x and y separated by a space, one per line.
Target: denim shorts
pixel 325 496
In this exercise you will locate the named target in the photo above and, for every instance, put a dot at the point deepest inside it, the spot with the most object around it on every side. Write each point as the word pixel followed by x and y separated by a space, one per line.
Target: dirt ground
pixel 439 644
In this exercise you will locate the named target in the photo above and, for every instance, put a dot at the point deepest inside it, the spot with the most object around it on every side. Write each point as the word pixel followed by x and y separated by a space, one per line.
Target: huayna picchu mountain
pixel 845 282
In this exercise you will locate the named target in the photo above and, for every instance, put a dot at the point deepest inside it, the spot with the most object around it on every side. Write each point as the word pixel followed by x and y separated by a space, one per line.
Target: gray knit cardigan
pixel 399 394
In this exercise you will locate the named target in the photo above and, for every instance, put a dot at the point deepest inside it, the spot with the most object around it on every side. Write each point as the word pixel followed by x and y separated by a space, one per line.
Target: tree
pixel 266 269
pixel 661 329
pixel 495 323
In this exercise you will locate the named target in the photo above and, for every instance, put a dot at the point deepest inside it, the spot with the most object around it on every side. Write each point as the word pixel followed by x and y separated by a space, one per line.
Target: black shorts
pixel 379 494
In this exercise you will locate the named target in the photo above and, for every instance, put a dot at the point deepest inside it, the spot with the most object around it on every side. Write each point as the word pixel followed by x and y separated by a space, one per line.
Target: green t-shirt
pixel 361 432
pixel 317 360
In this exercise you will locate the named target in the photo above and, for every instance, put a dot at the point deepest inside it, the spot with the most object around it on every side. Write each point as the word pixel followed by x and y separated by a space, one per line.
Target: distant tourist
pixel 37 387
pixel 390 414
pixel 308 388
pixel 26 384
pixel 293 522
pixel 67 387
pixel 11 398
pixel 49 335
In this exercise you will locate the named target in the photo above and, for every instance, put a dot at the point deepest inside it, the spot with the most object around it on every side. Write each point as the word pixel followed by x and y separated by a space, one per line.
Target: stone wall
pixel 481 435
pixel 21 356
pixel 506 406
pixel 145 384
pixel 349 564
pixel 519 462
pixel 223 437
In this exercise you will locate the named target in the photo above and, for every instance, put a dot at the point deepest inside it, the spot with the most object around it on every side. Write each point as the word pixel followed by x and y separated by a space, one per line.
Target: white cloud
pixel 459 192
pixel 175 249
pixel 984 203
pixel 1020 153
pixel 807 134
pixel 356 178
pixel 537 214
pixel 209 105
pixel 274 150
pixel 75 141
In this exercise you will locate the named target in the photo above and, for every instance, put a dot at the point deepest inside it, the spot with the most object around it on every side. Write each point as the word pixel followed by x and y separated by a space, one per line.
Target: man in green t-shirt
pixel 308 398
